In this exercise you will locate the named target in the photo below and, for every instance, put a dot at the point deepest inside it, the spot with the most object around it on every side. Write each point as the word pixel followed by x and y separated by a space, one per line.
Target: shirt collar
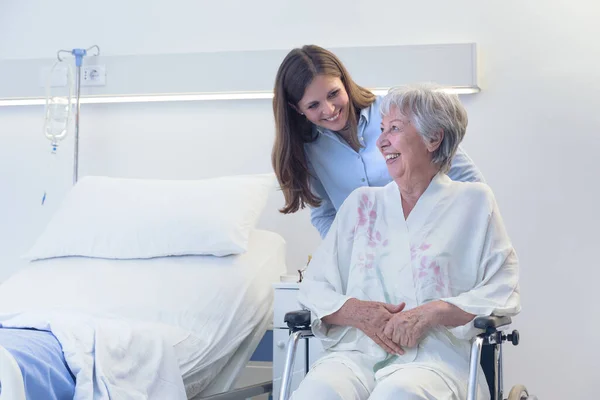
pixel 364 113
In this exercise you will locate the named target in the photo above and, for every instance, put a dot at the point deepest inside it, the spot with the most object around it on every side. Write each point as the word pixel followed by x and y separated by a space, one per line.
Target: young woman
pixel 326 131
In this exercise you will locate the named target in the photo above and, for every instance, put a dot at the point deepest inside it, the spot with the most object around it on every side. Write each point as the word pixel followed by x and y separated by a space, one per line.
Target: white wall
pixel 533 132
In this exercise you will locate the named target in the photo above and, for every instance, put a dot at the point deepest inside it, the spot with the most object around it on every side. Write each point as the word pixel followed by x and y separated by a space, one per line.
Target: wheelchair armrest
pixel 491 321
pixel 297 320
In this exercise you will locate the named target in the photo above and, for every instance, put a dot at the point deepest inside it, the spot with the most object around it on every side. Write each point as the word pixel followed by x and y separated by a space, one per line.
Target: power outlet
pixel 93 75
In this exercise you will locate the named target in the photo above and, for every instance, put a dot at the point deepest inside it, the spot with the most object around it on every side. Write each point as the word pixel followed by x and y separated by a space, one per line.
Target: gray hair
pixel 431 110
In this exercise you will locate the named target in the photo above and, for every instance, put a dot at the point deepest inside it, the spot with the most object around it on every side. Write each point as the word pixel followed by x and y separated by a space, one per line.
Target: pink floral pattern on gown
pixel 365 226
pixel 430 272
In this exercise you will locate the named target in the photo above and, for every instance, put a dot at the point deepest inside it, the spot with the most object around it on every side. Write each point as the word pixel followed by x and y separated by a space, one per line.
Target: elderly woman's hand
pixel 370 317
pixel 407 328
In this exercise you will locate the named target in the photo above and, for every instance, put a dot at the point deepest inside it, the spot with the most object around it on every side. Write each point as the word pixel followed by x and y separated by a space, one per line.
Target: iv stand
pixel 79 54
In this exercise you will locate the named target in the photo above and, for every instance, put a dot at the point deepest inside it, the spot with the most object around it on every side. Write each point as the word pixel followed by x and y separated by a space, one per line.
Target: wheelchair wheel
pixel 518 392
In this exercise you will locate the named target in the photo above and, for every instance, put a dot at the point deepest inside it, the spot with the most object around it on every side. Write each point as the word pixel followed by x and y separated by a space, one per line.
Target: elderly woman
pixel 405 268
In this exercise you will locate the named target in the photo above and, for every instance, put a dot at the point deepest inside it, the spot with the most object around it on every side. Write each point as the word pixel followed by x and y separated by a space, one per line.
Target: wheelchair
pixel 486 350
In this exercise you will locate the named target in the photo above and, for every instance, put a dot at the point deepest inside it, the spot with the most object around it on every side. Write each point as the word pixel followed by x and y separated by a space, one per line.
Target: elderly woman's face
pixel 401 145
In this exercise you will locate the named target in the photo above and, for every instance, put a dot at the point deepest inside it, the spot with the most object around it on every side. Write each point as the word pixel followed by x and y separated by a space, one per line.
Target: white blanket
pixel 110 358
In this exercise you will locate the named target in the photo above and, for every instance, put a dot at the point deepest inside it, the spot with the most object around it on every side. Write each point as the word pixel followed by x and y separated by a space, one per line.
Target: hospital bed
pixel 211 300
pixel 486 351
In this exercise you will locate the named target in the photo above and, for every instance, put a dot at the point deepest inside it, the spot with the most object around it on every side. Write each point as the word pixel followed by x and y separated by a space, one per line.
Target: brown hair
pixel 293 130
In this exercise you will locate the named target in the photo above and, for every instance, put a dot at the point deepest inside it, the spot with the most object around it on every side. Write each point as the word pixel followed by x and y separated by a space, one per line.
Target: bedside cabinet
pixel 285 300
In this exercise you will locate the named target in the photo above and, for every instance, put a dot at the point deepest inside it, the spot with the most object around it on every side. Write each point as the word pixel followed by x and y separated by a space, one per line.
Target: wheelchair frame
pixel 486 350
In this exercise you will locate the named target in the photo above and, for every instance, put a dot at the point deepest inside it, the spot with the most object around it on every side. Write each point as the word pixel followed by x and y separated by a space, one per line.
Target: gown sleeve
pixel 323 289
pixel 497 289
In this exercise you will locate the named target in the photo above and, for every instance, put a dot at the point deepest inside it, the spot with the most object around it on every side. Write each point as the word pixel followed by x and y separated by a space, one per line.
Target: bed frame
pixel 242 393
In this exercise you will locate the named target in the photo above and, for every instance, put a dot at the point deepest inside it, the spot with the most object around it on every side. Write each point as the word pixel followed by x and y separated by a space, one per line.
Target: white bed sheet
pixel 205 306
pixel 268 267
pixel 228 377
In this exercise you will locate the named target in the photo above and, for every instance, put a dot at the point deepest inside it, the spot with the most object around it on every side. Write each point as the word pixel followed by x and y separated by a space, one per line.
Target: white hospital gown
pixel 452 247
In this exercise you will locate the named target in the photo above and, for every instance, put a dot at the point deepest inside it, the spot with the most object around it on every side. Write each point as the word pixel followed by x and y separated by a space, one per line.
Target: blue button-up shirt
pixel 337 169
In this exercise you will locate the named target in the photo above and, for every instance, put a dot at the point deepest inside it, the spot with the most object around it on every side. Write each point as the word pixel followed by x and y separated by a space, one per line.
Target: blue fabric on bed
pixel 42 364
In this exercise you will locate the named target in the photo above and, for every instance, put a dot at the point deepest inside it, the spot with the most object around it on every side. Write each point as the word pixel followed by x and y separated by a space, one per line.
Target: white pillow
pixel 120 218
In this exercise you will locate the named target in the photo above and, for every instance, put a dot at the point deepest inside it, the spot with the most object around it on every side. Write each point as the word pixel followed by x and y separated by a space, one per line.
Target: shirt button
pixel 358 156
pixel 363 179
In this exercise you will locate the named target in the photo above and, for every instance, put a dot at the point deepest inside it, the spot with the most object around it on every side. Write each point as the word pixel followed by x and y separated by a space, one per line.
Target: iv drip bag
pixel 58 109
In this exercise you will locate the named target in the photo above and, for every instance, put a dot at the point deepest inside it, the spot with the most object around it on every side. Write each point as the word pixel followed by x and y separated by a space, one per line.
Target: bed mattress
pixel 212 310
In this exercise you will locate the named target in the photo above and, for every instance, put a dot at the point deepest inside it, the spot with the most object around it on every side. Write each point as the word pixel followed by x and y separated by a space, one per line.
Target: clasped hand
pixel 407 328
pixel 392 328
